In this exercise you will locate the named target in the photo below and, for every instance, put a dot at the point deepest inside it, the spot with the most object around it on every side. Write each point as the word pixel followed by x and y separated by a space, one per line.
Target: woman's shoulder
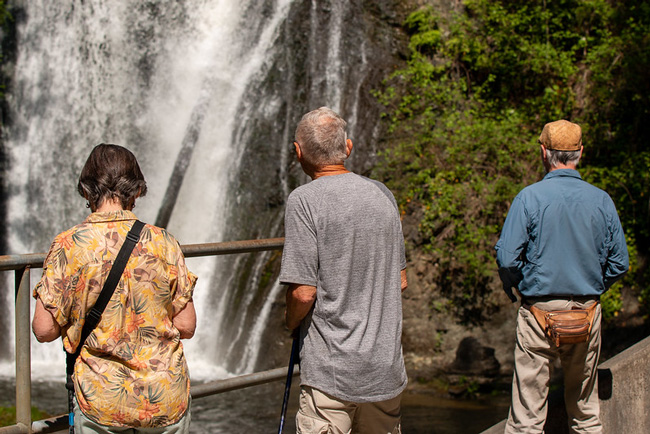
pixel 159 234
pixel 72 235
pixel 160 242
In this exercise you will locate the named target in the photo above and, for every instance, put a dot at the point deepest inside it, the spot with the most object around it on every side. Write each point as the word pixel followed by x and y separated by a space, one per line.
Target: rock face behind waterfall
pixel 371 44
pixel 375 46
pixel 90 72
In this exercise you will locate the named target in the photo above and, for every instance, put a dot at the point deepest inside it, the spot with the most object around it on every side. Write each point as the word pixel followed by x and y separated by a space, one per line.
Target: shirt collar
pixel 563 172
pixel 110 216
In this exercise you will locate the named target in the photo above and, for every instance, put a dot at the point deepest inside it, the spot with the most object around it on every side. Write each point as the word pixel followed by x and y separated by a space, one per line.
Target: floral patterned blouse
pixel 131 370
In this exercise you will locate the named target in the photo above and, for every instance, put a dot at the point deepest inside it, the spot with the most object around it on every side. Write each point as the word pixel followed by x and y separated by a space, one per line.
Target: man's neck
pixel 563 166
pixel 329 170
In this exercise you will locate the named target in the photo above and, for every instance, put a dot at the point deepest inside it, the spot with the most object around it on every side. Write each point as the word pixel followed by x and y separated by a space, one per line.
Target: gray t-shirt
pixel 344 236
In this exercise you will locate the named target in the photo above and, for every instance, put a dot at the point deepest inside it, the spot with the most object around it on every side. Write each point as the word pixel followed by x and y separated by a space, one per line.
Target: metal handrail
pixel 35 260
pixel 22 265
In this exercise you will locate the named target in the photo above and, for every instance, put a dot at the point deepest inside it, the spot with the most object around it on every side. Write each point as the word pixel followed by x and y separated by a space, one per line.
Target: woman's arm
pixel 44 326
pixel 185 320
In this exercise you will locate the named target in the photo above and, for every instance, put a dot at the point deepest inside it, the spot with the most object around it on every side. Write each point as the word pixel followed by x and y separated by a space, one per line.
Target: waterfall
pixel 207 95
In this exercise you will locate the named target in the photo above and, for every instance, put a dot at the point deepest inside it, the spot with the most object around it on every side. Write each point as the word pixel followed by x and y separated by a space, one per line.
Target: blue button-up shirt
pixel 562 236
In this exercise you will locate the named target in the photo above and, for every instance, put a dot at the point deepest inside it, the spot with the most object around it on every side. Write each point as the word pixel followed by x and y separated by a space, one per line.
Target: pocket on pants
pixel 311 425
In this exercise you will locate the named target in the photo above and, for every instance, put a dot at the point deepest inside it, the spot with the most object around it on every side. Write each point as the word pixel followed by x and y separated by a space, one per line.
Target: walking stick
pixel 287 387
pixel 70 406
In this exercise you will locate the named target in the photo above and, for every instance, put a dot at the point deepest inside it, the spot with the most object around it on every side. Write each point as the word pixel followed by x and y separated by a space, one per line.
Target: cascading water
pixel 206 94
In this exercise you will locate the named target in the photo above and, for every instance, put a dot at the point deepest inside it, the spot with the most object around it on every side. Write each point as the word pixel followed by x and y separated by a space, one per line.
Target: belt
pixel 528 301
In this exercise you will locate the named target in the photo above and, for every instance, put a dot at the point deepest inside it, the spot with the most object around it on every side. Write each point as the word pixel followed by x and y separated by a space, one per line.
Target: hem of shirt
pixel 358 399
pixel 189 403
pixel 296 281
pixel 538 294
pixel 182 301
pixel 51 307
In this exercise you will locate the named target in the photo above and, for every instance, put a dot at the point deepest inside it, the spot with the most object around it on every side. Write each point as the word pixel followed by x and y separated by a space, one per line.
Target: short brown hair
pixel 111 172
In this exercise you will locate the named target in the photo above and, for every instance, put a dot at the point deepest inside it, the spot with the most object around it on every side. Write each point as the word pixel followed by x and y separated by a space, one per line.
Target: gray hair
pixel 568 158
pixel 322 138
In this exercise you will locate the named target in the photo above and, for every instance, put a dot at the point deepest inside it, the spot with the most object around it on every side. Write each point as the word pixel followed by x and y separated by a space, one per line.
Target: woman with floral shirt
pixel 131 373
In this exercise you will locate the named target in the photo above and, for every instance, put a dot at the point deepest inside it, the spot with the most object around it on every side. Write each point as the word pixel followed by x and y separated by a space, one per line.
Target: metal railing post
pixel 23 351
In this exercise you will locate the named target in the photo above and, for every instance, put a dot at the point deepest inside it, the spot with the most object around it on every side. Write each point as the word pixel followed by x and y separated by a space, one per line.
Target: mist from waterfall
pixel 101 72
pixel 217 75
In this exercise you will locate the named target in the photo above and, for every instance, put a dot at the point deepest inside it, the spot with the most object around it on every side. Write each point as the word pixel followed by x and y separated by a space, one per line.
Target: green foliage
pixel 464 114
pixel 611 302
pixel 8 415
pixel 4 13
pixel 471 387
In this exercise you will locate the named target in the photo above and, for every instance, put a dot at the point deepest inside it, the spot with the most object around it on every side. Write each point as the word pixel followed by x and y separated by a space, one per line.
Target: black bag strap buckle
pixel 93 317
pixel 133 237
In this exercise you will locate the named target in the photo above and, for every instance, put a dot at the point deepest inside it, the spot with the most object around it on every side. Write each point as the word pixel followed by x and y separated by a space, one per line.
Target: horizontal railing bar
pixel 16 262
pixel 14 429
pixel 59 423
pixel 231 247
pixel 51 425
pixel 35 260
pixel 241 382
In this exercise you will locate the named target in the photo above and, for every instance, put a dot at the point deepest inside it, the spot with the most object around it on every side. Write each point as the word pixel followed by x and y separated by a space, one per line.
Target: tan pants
pixel 320 413
pixel 534 355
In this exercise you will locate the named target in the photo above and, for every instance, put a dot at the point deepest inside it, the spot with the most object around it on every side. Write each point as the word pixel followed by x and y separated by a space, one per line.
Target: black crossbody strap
pixel 95 314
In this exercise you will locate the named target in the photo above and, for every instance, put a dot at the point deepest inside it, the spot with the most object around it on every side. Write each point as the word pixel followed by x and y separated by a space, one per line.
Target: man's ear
pixel 298 150
pixel 348 147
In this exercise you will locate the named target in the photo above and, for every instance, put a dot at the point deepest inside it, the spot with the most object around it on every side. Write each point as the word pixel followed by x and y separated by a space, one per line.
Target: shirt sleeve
pixel 511 245
pixel 54 288
pixel 617 262
pixel 402 249
pixel 181 280
pixel 300 253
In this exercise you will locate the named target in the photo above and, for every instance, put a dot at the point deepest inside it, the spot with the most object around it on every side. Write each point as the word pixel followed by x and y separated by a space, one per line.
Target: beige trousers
pixel 320 413
pixel 534 355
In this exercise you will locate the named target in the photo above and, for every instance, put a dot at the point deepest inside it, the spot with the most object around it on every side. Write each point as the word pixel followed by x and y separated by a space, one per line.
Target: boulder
pixel 474 359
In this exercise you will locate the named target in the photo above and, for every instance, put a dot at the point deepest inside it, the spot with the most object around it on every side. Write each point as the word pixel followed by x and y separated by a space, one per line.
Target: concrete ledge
pixel 496 429
pixel 623 390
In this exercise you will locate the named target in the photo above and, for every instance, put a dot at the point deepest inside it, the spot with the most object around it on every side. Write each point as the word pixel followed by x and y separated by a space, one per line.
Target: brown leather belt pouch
pixel 566 326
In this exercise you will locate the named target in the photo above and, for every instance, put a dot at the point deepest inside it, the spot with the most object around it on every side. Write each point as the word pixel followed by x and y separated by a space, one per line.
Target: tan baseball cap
pixel 561 136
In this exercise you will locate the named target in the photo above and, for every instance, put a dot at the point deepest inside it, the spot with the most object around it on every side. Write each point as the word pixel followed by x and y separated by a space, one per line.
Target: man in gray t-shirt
pixel 344 263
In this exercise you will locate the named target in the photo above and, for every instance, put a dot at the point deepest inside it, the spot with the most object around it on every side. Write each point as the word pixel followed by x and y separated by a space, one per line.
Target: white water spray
pixel 141 74
pixel 118 72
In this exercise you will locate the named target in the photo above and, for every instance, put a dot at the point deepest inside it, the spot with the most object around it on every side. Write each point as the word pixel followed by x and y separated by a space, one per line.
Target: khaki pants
pixel 320 413
pixel 534 355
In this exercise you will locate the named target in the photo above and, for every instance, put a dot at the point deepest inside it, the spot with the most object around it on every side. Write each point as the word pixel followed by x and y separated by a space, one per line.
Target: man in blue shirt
pixel 561 247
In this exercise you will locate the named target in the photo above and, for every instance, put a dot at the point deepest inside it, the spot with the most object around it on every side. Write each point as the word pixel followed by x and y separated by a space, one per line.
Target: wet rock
pixel 472 358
